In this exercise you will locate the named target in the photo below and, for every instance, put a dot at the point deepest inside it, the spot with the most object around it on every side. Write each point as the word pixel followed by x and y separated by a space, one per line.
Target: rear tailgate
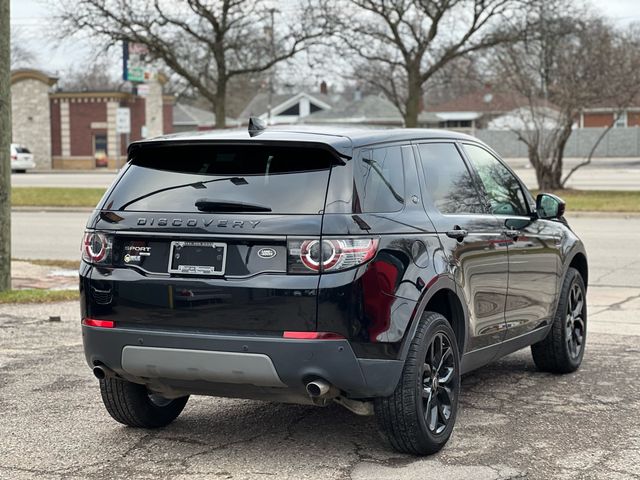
pixel 200 238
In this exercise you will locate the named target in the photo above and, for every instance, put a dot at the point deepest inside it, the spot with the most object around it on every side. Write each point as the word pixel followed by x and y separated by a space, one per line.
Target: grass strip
pixel 34 295
pixel 600 200
pixel 55 197
pixel 577 200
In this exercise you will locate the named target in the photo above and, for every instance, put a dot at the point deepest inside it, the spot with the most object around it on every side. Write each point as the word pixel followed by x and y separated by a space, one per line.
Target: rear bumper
pixel 268 368
pixel 22 164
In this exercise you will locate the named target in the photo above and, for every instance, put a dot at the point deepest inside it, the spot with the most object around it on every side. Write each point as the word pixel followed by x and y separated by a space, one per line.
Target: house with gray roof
pixel 188 118
pixel 286 108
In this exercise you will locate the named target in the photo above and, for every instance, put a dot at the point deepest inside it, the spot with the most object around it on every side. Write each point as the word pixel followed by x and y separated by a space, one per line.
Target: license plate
pixel 197 258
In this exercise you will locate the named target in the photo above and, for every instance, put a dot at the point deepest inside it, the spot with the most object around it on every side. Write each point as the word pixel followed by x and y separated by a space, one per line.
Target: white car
pixel 21 158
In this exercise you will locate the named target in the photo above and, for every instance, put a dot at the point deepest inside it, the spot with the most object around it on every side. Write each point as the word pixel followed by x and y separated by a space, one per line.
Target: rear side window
pixel 448 181
pixel 379 179
pixel 224 178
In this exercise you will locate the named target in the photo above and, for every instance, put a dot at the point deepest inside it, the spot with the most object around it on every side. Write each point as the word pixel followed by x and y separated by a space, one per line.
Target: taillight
pixel 312 335
pixel 92 322
pixel 14 157
pixel 96 248
pixel 330 254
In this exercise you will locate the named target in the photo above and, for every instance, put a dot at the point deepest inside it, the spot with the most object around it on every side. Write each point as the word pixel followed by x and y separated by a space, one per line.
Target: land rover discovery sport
pixel 371 268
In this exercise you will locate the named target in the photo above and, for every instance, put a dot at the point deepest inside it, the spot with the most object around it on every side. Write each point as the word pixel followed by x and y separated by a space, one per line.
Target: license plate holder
pixel 197 258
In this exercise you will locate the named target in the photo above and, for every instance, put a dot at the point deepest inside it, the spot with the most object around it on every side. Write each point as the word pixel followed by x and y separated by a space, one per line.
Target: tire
pixel 404 419
pixel 132 405
pixel 562 349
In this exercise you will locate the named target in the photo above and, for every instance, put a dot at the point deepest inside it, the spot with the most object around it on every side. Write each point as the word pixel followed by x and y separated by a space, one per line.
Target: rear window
pixel 20 149
pixel 224 178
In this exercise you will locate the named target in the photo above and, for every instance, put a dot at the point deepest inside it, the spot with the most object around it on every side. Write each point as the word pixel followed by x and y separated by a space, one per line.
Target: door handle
pixel 457 233
pixel 512 233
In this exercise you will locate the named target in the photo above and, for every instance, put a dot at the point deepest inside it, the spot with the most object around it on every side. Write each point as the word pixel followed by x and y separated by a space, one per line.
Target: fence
pixel 618 142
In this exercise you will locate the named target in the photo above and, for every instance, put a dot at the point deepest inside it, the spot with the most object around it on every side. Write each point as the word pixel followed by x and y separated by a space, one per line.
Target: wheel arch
pixel 579 262
pixel 441 297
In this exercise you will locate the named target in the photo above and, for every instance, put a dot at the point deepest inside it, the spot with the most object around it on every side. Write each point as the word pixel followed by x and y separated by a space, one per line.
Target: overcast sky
pixel 32 18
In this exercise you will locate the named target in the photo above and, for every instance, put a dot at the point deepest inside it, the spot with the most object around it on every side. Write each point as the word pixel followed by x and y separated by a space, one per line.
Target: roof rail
pixel 256 126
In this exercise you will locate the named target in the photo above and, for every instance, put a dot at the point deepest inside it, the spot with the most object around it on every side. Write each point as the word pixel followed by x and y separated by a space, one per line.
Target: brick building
pixel 77 130
pixel 602 117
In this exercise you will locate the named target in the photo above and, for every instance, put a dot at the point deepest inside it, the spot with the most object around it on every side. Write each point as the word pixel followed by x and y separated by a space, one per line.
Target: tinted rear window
pixel 22 150
pixel 173 178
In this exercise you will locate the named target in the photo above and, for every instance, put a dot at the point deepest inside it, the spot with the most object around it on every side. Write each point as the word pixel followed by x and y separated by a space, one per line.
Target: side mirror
pixel 549 206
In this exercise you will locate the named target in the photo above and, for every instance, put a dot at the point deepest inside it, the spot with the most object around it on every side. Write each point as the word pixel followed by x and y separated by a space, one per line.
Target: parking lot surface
pixel 514 422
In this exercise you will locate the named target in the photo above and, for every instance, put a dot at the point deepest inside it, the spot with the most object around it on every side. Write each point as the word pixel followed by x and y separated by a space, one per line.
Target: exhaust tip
pixel 99 372
pixel 318 388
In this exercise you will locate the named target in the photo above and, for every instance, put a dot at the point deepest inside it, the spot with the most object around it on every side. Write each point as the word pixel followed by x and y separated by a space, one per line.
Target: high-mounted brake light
pixel 92 322
pixel 96 248
pixel 312 335
pixel 330 254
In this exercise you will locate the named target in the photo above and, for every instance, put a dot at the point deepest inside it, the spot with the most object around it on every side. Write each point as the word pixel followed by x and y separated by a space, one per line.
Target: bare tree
pixel 208 43
pixel 461 76
pixel 402 44
pixel 93 76
pixel 5 146
pixel 568 62
pixel 21 55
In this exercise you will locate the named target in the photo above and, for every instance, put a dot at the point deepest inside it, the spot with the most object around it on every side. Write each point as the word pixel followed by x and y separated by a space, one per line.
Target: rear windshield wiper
pixel 376 168
pixel 198 185
pixel 219 206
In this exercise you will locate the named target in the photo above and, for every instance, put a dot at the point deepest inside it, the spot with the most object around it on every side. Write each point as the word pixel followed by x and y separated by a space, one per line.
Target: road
pixel 47 234
pixel 514 422
pixel 603 174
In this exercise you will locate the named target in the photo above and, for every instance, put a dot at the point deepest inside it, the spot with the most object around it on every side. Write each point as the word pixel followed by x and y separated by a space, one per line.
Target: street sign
pixel 143 90
pixel 135 62
pixel 123 120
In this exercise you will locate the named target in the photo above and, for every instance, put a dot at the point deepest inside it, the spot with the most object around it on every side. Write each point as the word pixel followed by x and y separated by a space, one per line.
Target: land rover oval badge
pixel 267 253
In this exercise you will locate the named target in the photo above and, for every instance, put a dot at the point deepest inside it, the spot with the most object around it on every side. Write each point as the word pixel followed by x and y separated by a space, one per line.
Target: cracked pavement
pixel 514 422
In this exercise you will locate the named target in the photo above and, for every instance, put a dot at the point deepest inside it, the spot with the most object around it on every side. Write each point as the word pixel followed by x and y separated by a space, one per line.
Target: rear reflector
pixel 313 335
pixel 91 322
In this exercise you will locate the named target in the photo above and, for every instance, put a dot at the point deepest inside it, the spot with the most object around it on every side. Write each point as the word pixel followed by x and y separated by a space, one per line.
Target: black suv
pixel 371 268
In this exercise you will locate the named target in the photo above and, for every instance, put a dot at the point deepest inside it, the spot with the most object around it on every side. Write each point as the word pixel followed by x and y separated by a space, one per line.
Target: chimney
pixel 323 88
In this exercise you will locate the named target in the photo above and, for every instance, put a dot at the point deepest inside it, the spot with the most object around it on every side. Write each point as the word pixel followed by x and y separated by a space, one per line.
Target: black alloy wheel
pixel 575 322
pixel 438 387
pixel 562 350
pixel 419 416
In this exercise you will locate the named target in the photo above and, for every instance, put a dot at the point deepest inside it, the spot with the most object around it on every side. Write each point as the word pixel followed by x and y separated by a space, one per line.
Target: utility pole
pixel 5 147
pixel 272 12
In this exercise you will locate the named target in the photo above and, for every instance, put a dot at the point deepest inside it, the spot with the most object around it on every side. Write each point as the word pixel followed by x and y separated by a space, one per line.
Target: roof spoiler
pixel 256 126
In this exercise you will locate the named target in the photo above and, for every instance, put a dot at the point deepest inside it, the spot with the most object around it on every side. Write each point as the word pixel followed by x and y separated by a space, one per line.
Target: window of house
pixel 314 108
pixel 621 121
pixel 293 110
pixel 100 143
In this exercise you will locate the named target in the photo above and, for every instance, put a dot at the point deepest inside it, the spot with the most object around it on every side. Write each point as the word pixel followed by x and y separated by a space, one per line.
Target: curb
pixel 570 214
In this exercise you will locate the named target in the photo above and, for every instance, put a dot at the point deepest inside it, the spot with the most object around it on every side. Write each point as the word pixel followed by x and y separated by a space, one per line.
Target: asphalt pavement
pixel 514 422
pixel 603 174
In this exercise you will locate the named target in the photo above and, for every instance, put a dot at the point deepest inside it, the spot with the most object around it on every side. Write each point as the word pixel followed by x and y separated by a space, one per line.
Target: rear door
pixel 533 245
pixel 472 238
pixel 202 235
